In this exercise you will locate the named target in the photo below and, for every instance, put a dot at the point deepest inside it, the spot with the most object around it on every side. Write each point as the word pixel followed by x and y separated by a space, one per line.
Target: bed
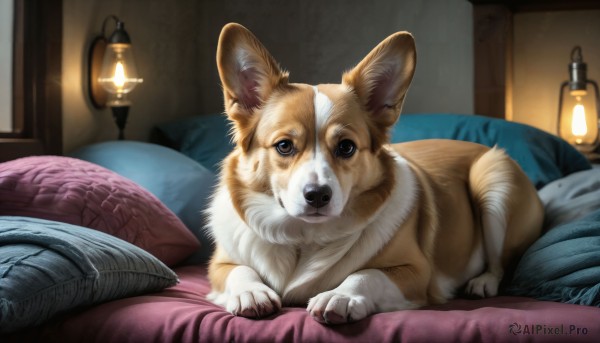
pixel 106 245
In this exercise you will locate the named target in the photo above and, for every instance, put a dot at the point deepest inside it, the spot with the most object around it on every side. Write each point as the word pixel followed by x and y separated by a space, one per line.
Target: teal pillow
pixel 49 267
pixel 542 156
pixel 203 138
pixel 180 183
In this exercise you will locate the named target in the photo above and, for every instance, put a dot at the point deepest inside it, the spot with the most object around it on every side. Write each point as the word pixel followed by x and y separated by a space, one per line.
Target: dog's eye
pixel 285 147
pixel 345 149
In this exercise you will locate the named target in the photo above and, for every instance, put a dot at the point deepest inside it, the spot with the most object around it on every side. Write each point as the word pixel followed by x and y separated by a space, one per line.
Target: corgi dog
pixel 314 207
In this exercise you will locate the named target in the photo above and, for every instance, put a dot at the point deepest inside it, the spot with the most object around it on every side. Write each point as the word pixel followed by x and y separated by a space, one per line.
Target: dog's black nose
pixel 317 196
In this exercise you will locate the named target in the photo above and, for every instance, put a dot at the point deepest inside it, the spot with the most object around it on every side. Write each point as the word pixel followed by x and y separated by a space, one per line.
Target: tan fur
pixel 445 227
pixel 405 262
pixel 219 269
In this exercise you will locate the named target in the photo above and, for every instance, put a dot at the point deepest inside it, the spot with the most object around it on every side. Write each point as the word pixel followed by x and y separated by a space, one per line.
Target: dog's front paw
pixel 334 307
pixel 254 300
pixel 483 286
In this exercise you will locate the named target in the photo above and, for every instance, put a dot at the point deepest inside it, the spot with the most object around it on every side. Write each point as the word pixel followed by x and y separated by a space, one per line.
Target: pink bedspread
pixel 181 314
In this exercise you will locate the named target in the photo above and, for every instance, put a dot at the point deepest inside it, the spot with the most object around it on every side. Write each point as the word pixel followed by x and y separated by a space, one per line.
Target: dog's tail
pixel 509 209
pixel 492 181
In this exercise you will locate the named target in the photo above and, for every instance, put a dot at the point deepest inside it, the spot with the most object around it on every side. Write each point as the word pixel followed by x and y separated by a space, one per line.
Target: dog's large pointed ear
pixel 382 78
pixel 248 71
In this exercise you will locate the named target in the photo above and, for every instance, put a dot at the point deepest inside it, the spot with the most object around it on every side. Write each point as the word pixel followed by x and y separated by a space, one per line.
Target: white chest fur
pixel 299 259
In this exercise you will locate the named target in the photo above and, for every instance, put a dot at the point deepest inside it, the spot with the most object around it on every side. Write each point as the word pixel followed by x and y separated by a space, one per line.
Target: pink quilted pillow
pixel 81 193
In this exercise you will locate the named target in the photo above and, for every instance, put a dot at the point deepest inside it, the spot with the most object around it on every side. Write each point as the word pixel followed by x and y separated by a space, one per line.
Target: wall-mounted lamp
pixel 578 109
pixel 112 70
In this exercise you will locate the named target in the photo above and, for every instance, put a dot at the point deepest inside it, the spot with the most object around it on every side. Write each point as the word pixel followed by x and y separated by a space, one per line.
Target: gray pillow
pixel 571 197
pixel 48 267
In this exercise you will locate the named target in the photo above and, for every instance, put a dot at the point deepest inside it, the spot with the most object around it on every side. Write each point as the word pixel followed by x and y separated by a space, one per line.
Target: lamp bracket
pixel 576 55
pixel 113 17
pixel 577 72
pixel 120 116
pixel 98 95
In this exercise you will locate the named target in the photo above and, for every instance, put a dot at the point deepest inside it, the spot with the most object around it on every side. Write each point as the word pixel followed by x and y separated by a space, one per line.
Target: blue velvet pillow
pixel 183 185
pixel 48 267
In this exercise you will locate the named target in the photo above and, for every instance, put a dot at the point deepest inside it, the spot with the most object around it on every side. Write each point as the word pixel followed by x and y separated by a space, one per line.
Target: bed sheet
pixel 182 314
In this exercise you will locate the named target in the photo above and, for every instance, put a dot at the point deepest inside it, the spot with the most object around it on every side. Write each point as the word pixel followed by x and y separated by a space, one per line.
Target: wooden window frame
pixel 37 73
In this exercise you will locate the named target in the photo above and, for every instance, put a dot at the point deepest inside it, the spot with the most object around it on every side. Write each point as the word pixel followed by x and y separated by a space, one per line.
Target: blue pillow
pixel 183 185
pixel 542 156
pixel 203 138
pixel 48 267
pixel 563 265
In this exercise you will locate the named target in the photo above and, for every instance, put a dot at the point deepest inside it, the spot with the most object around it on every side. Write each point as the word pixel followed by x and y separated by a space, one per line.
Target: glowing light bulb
pixel 578 124
pixel 119 78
